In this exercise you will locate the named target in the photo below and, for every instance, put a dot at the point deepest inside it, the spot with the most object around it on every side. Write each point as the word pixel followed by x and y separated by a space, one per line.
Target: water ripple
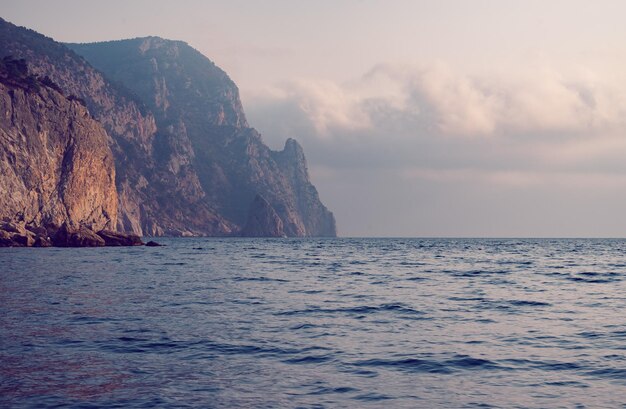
pixel 316 323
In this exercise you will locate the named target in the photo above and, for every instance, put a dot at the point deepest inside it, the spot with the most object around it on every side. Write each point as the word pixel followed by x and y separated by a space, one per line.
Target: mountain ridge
pixel 187 161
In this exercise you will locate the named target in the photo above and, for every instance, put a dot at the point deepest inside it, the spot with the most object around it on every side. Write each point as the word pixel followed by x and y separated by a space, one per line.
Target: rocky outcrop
pixel 19 234
pixel 154 198
pixel 130 128
pixel 205 132
pixel 76 236
pixel 14 235
pixel 55 162
pixel 186 161
pixel 319 221
pixel 112 238
pixel 263 221
pixel 172 79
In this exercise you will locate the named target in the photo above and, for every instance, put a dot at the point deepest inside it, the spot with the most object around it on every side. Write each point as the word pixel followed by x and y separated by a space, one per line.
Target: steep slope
pixel 55 162
pixel 186 161
pixel 159 193
pixel 263 221
pixel 197 108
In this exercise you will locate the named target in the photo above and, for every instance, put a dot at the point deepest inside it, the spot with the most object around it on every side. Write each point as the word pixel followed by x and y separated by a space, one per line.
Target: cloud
pixel 420 150
pixel 324 105
pixel 440 101
pixel 428 149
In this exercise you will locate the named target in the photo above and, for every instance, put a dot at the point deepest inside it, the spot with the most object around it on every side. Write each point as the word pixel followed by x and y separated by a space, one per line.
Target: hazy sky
pixel 418 118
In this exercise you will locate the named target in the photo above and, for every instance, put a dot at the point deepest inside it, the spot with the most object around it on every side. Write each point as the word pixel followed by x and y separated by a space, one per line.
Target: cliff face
pixel 186 161
pixel 55 162
pixel 263 221
pixel 198 110
pixel 157 196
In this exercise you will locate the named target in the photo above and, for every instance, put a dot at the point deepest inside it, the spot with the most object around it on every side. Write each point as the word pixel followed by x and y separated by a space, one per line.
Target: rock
pixel 38 230
pixel 212 155
pixel 55 162
pixel 69 236
pixel 24 240
pixel 185 158
pixel 112 238
pixel 6 239
pixel 42 241
pixel 13 227
pixel 17 234
pixel 263 221
pixel 153 244
pixel 14 234
pixel 51 229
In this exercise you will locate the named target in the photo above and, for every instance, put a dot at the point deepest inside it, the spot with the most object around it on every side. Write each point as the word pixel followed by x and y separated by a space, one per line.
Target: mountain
pixel 197 108
pixel 186 160
pixel 151 200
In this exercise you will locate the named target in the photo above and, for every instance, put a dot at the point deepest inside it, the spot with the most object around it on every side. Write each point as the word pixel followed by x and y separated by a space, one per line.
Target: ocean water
pixel 316 323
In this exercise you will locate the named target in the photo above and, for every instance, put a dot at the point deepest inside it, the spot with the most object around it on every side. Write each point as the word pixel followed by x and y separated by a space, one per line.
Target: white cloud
pixel 326 105
pixel 441 101
pixel 536 129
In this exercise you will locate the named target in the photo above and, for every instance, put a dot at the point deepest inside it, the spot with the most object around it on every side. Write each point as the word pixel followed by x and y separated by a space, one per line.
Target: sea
pixel 316 323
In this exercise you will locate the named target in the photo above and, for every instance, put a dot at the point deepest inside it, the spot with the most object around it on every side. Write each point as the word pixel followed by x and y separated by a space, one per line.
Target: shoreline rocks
pixel 112 238
pixel 19 234
pixel 70 236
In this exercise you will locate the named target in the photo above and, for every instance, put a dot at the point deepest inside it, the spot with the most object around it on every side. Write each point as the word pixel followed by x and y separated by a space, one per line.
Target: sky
pixel 418 118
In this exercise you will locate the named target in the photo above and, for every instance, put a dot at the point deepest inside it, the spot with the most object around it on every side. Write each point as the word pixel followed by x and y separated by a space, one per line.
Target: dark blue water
pixel 334 323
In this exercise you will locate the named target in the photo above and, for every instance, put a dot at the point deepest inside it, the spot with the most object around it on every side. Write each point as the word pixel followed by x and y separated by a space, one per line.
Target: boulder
pixel 14 234
pixel 71 236
pixel 153 244
pixel 112 238
pixel 24 240
pixel 6 239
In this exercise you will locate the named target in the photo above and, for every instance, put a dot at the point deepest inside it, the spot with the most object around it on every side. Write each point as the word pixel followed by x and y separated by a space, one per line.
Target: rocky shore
pixel 21 234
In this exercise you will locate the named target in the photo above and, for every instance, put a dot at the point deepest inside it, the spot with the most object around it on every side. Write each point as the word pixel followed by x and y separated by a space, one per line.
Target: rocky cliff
pixel 198 107
pixel 263 221
pixel 55 162
pixel 153 200
pixel 186 161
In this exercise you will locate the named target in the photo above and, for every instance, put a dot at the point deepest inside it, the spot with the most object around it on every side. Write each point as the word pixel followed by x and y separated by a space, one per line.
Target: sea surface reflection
pixel 313 323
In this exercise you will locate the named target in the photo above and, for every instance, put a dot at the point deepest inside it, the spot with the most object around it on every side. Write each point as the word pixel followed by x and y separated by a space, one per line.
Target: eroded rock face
pixel 158 192
pixel 263 221
pixel 130 130
pixel 55 162
pixel 205 134
pixel 186 161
